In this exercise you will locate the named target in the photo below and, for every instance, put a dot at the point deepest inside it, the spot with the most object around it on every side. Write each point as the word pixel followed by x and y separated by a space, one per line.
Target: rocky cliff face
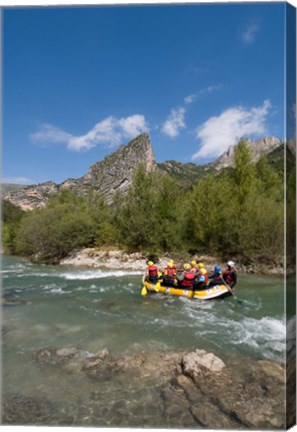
pixel 113 173
pixel 31 197
pixel 258 148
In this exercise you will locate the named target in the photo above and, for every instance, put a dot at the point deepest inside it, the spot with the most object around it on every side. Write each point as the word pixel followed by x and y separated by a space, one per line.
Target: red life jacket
pixel 153 271
pixel 206 277
pixel 188 279
pixel 170 271
pixel 228 276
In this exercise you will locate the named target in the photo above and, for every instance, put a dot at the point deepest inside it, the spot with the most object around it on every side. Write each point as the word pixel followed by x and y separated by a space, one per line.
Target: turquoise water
pixel 93 309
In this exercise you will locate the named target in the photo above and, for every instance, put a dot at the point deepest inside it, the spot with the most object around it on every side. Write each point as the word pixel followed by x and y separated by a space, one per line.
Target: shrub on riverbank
pixel 11 216
pixel 49 234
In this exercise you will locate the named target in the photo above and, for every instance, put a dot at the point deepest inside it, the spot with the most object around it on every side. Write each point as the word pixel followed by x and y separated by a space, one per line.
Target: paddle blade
pixel 144 291
pixel 157 287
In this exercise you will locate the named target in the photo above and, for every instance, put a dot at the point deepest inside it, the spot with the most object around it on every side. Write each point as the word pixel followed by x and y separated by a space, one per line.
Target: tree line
pixel 238 213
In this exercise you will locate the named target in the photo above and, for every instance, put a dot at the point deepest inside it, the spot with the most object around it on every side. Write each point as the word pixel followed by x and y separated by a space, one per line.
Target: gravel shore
pixel 118 259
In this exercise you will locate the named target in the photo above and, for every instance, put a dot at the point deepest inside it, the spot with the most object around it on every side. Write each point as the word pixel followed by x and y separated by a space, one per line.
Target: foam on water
pixel 43 275
pixel 59 291
pixel 266 335
pixel 97 274
pixel 24 270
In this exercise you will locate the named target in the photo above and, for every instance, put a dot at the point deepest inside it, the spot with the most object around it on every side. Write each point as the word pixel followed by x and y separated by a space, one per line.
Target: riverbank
pixel 121 260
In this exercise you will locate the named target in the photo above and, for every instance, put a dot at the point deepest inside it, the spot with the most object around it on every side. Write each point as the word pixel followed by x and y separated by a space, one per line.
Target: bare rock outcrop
pixel 114 172
pixel 258 148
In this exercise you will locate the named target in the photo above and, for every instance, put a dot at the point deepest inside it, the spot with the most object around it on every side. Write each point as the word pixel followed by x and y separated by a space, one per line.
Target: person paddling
pixel 230 275
pixel 216 277
pixel 199 283
pixel 152 272
pixel 202 271
pixel 173 265
pixel 188 277
pixel 169 274
pixel 194 268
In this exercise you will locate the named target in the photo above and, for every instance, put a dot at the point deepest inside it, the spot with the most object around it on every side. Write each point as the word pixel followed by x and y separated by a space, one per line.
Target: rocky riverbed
pixel 118 259
pixel 195 390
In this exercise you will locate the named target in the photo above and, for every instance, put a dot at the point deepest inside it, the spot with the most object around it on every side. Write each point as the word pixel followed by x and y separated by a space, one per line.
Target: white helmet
pixel 230 264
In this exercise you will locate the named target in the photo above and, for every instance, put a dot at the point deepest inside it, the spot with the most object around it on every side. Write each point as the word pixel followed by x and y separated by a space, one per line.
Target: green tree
pixel 147 217
pixel 271 180
pixel 50 233
pixel 136 216
pixel 11 217
pixel 105 231
pixel 207 208
pixel 237 213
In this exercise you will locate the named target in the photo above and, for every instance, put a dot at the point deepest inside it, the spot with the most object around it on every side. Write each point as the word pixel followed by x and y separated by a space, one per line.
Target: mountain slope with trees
pixel 115 172
pixel 238 212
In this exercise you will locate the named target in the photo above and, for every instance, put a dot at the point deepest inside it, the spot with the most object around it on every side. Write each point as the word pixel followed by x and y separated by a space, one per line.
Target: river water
pixel 94 309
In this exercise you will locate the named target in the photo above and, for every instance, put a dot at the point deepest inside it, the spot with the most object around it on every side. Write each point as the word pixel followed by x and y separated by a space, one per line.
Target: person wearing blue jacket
pixel 216 278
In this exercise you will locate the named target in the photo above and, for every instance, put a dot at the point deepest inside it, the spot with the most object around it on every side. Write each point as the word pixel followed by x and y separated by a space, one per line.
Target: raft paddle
pixel 144 290
pixel 232 292
pixel 156 287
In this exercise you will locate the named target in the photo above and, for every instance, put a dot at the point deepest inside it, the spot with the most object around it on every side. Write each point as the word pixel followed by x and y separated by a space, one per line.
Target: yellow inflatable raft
pixel 216 291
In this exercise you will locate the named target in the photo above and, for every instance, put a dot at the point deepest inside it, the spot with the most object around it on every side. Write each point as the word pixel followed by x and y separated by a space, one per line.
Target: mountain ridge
pixel 115 172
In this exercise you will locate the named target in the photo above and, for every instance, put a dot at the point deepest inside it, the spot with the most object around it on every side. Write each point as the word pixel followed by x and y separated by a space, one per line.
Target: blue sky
pixel 80 81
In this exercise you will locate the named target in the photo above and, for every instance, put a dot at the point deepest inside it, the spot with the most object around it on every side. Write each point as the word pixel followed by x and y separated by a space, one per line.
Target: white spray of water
pixel 97 274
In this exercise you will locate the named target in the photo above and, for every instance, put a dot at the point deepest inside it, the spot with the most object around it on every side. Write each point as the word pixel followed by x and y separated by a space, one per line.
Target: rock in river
pixel 195 388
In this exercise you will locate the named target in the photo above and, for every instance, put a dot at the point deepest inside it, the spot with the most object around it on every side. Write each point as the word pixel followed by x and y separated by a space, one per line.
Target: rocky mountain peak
pixel 258 148
pixel 114 172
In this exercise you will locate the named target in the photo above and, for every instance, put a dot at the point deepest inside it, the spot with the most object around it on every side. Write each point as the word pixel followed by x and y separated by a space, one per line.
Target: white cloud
pixel 174 123
pixel 110 131
pixel 249 35
pixel 17 180
pixel 133 125
pixel 189 99
pixel 219 132
pixel 210 89
pixel 49 133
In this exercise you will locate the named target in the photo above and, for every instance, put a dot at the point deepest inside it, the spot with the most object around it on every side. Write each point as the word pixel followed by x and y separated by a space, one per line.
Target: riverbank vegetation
pixel 238 213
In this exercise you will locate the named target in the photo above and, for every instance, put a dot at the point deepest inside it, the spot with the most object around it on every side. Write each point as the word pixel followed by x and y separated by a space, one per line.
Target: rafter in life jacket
pixel 153 272
pixel 188 279
pixel 229 276
pixel 170 271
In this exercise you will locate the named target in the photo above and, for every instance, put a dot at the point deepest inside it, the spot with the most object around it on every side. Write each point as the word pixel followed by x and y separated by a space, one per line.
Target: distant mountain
pixel 258 148
pixel 8 187
pixel 185 174
pixel 115 172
